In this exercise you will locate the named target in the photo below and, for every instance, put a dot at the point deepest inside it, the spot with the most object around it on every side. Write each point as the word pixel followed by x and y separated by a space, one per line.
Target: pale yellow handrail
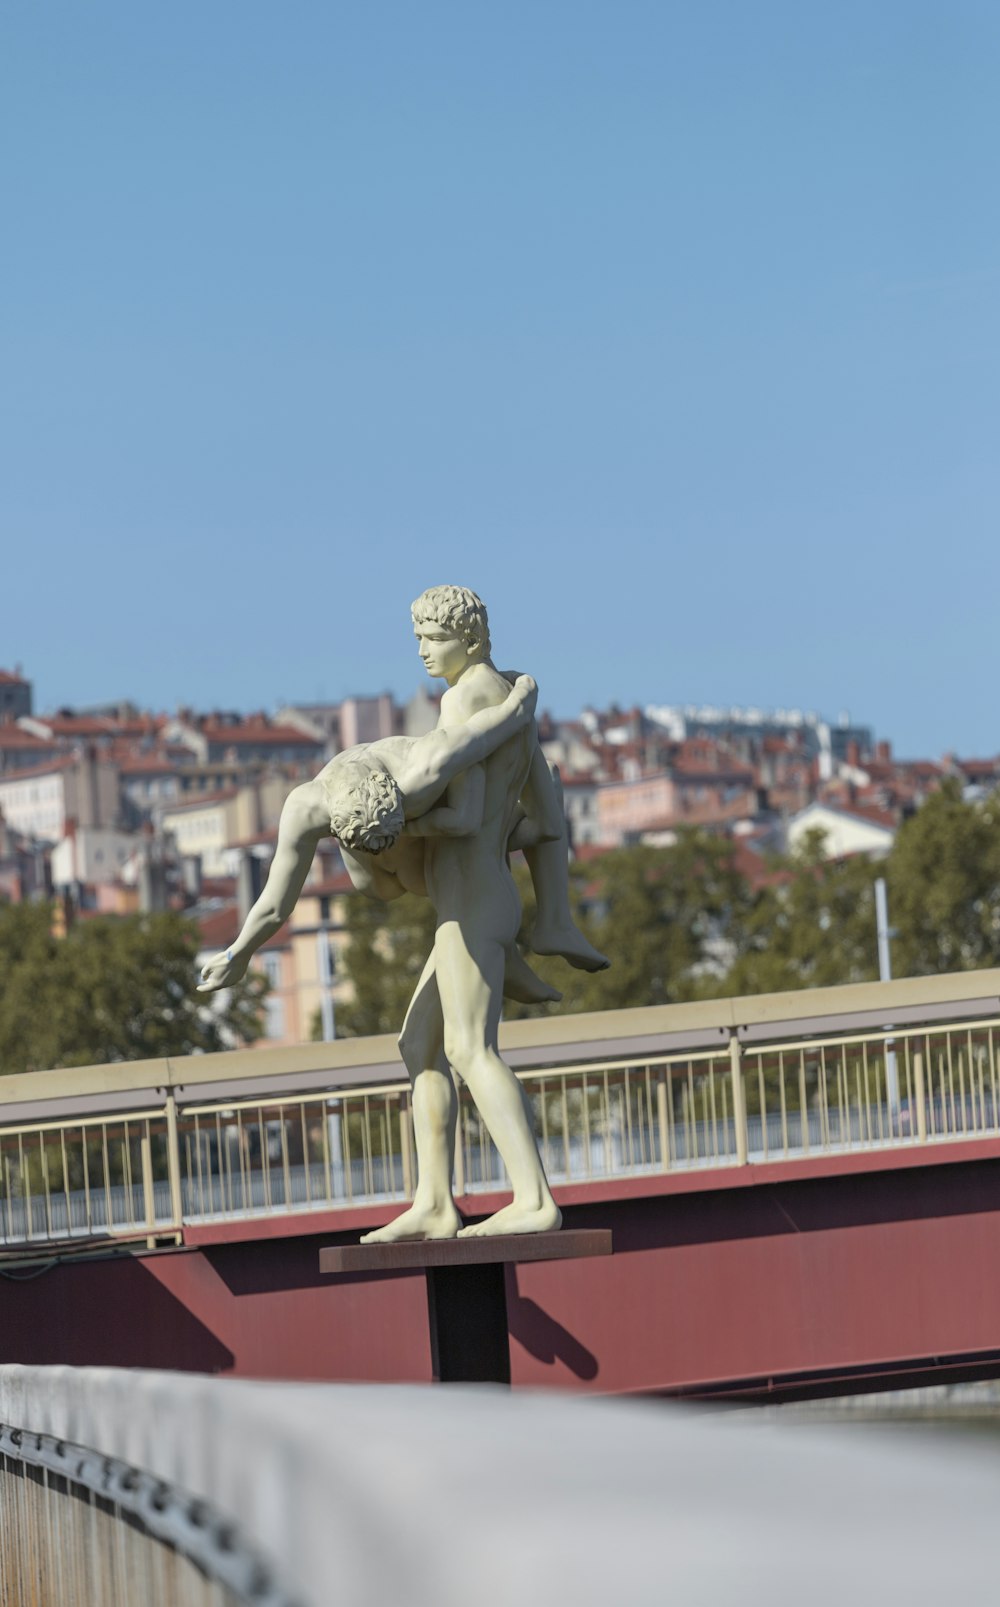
pixel 529 1040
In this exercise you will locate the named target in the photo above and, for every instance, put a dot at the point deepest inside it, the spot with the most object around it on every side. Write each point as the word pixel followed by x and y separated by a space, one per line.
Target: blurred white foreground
pixel 446 1497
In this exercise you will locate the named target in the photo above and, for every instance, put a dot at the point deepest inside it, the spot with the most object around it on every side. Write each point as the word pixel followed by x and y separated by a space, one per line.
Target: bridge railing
pixel 143 1150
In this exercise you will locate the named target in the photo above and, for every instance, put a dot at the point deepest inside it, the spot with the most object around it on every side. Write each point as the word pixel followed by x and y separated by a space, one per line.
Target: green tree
pixel 944 885
pixel 812 926
pixel 670 919
pixel 112 989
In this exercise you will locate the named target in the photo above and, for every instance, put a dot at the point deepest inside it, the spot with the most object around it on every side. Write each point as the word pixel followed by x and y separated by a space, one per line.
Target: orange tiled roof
pixel 219 927
pixel 14 736
pixel 259 731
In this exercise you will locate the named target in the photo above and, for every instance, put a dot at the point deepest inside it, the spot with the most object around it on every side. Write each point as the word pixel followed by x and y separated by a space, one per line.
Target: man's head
pixel 451 627
pixel 366 807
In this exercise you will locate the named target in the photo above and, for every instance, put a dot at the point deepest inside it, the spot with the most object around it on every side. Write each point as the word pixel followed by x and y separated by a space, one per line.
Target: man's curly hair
pixel 456 610
pixel 366 808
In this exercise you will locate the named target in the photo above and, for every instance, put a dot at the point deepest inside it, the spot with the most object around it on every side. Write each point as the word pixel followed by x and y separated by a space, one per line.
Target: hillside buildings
pixel 122 810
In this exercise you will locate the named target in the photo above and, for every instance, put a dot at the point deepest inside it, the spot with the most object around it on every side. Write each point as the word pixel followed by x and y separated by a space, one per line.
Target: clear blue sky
pixel 672 328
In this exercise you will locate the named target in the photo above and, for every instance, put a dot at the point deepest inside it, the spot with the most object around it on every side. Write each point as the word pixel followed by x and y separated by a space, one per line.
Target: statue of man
pixel 454 1017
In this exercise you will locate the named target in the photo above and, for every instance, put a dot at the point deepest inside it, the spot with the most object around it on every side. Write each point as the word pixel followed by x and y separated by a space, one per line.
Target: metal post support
pixel 739 1099
pixel 467 1318
pixel 174 1163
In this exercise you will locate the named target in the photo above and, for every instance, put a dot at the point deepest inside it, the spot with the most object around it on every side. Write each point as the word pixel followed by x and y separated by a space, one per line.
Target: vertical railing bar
pixel 246 1192
pixel 174 1162
pixel 286 1170
pixel 693 1150
pixel 919 1096
pixel 345 1131
pixel 305 1151
pixel 127 1173
pixel 909 1081
pixel 762 1101
pixel 225 1173
pixel 327 1165
pixel 662 1118
pixel 265 1158
pixel 961 1089
pixel 629 1148
pixel 980 1059
pixel 65 1163
pixel 108 1219
pixel 878 1100
pixel 146 1162
pixel 44 1169
pixel 199 1169
pixel 383 1127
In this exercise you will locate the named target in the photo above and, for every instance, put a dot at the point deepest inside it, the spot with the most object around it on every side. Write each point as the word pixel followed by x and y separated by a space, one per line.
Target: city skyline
pixel 788 712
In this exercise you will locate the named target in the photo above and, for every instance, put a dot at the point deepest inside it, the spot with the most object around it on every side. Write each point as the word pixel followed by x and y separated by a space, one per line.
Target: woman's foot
pixel 520 982
pixel 571 944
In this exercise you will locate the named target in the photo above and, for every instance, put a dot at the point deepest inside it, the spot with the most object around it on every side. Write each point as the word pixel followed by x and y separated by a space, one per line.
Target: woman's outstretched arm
pixel 305 818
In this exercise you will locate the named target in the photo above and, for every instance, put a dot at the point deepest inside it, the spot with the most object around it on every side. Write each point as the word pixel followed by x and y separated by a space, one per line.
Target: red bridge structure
pixel 803 1191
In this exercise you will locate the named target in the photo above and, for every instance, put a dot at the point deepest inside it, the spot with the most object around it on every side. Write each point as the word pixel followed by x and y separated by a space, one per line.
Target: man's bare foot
pixel 571 944
pixel 222 971
pixel 419 1222
pixel 521 983
pixel 515 1218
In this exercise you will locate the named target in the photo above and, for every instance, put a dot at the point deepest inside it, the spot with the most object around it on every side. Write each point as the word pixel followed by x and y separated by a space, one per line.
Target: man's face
pixel 440 652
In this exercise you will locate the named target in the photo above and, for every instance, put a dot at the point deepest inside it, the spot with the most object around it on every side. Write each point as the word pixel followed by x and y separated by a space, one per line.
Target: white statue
pixel 437 815
pixel 453 1020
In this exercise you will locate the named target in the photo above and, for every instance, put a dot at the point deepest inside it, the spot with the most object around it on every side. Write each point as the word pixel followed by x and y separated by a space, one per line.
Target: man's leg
pixel 433 1214
pixel 470 969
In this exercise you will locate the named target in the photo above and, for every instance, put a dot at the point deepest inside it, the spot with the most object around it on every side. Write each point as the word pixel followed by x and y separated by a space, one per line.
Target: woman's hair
pixel 366 807
pixel 457 610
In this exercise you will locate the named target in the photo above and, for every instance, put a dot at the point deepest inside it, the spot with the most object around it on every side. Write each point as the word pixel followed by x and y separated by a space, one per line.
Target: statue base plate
pixel 467 1289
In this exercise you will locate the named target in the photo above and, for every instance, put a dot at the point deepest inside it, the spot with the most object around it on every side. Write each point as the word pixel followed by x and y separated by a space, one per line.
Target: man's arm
pixel 462 815
pixel 305 818
pixel 435 759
